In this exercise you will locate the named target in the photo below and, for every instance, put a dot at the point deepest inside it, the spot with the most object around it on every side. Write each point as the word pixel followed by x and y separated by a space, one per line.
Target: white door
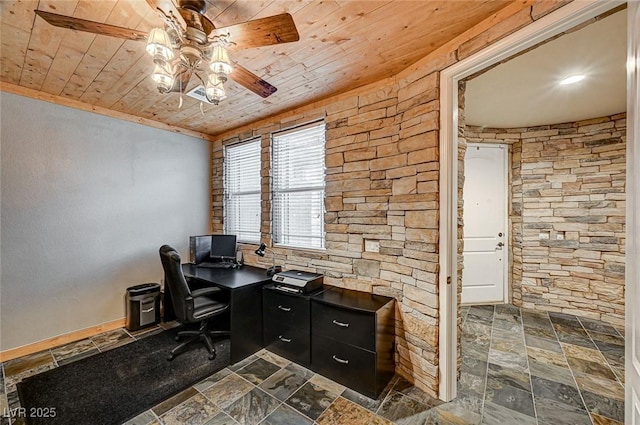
pixel 632 355
pixel 485 223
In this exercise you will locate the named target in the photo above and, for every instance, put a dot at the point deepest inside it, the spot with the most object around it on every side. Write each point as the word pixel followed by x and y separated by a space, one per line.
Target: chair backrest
pixel 174 279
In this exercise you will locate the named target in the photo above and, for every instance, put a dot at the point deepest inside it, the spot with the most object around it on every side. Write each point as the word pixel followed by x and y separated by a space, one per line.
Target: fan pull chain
pixel 180 102
pixel 202 108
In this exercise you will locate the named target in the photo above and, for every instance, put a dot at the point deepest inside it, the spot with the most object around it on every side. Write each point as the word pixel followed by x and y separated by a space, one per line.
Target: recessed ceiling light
pixel 572 79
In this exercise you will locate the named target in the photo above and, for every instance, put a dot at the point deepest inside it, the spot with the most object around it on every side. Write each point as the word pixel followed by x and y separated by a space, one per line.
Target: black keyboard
pixel 216 265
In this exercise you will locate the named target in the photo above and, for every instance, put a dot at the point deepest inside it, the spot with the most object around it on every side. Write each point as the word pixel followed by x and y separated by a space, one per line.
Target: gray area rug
pixel 117 385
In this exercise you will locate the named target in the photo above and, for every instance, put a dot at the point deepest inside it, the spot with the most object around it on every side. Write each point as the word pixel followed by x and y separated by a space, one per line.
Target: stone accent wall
pixel 382 181
pixel 381 217
pixel 567 215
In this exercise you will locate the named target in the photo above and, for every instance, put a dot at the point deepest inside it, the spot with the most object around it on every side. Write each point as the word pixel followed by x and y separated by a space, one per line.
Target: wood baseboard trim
pixel 56 341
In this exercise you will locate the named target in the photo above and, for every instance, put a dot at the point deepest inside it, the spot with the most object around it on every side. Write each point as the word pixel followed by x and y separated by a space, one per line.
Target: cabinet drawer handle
pixel 283 339
pixel 339 360
pixel 344 325
pixel 284 308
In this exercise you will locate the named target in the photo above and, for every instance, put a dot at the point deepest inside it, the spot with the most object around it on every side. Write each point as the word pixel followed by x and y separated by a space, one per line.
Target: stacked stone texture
pixel 381 192
pixel 567 215
pixel 382 181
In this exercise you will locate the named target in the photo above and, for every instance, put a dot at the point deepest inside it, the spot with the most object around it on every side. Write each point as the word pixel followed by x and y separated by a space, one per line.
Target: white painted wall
pixel 86 202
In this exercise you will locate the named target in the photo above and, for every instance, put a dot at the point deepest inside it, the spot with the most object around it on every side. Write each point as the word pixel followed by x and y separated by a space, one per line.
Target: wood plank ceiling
pixel 343 45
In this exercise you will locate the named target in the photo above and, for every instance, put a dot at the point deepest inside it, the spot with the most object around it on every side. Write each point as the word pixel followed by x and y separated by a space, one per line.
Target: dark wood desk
pixel 244 288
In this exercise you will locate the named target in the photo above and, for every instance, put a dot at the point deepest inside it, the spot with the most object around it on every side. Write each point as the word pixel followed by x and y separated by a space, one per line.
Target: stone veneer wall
pixel 568 184
pixel 382 159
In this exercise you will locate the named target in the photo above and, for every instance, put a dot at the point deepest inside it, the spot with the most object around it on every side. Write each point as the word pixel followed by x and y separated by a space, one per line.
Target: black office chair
pixel 190 306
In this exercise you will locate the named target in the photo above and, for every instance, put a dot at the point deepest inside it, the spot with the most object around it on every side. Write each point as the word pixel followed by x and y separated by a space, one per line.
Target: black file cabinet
pixel 286 325
pixel 345 335
pixel 353 339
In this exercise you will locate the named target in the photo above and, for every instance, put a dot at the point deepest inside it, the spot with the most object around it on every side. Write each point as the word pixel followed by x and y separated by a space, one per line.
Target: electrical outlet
pixel 371 245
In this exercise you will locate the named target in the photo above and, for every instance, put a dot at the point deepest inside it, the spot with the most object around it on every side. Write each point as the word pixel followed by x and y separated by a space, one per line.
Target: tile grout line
pixel 526 347
pixel 571 369
pixel 387 396
pixel 600 351
pixel 95 345
pixel 284 401
pixel 486 376
pixel 55 361
pixel 221 410
pixel 619 333
pixel 606 361
pixel 155 416
pixel 328 407
pixel 280 403
pixel 313 421
pixel 208 399
pixel 569 366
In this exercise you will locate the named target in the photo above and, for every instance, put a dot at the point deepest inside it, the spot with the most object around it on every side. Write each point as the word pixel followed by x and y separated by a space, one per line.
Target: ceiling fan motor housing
pixel 196 36
pixel 199 6
pixel 191 54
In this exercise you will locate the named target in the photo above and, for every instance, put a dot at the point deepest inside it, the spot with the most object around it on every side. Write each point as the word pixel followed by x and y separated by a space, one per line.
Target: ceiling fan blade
pixel 261 32
pixel 251 81
pixel 167 7
pixel 93 27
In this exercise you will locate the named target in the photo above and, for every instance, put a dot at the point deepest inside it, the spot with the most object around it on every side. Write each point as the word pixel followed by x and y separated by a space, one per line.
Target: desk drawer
pixel 349 326
pixel 289 309
pixel 289 342
pixel 350 366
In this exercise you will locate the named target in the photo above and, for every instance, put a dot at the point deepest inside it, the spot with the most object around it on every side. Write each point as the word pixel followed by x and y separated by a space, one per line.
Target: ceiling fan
pixel 190 44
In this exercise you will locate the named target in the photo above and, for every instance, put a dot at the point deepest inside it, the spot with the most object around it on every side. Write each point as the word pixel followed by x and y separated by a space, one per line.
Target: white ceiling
pixel 524 91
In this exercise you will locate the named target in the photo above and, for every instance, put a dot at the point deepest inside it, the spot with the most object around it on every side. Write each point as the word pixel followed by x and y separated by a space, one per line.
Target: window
pixel 242 191
pixel 298 187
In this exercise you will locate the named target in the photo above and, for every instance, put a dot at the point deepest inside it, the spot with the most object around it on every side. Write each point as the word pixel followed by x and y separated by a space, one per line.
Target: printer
pixel 297 281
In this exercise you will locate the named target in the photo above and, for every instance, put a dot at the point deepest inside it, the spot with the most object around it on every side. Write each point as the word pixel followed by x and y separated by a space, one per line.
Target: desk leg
pixel 246 322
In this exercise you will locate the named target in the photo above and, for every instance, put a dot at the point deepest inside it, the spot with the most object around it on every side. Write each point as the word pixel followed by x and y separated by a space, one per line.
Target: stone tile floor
pixel 518 367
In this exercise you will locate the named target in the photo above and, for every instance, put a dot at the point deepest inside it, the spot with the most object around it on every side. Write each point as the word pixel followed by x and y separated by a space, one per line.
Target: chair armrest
pixel 205 291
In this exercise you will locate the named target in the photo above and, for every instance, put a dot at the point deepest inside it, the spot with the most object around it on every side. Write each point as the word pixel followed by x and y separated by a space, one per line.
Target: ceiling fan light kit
pixel 159 45
pixel 219 62
pixel 196 48
pixel 214 89
pixel 159 48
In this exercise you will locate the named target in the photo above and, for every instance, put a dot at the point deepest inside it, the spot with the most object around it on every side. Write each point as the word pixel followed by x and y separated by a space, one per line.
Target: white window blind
pixel 298 187
pixel 242 191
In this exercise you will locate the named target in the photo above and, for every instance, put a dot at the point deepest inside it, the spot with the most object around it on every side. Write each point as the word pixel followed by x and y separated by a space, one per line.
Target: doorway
pixel 563 19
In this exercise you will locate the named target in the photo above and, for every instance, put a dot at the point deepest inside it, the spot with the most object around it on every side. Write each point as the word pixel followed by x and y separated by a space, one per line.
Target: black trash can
pixel 143 306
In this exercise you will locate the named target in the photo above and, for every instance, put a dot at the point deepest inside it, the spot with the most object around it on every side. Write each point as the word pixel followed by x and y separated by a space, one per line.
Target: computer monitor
pixel 223 247
pixel 199 248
